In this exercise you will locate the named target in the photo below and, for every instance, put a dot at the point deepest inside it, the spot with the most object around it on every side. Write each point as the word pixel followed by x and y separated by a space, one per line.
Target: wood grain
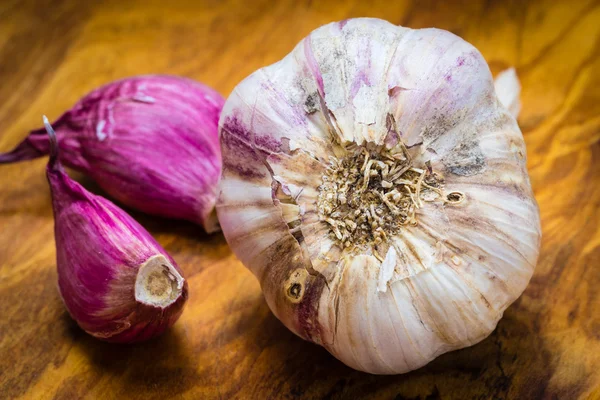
pixel 227 344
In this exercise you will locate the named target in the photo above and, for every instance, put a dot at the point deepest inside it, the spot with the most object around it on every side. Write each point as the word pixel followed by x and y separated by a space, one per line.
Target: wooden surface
pixel 227 343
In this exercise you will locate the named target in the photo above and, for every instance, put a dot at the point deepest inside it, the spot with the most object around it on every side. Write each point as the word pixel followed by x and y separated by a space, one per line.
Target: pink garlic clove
pixel 151 142
pixel 116 281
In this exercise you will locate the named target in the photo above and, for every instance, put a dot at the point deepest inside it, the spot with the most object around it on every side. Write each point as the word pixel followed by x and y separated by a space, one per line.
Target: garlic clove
pixel 116 281
pixel 151 142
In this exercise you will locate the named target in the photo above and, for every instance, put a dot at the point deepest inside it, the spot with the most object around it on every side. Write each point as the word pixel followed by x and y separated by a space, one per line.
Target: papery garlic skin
pixel 116 281
pixel 508 90
pixel 437 286
pixel 151 142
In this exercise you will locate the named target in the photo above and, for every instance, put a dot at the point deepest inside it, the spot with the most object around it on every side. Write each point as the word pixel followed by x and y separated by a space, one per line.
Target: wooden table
pixel 227 343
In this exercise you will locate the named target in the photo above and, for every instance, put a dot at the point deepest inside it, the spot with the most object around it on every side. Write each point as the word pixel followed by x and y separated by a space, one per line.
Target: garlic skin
pixel 116 281
pixel 296 210
pixel 151 142
pixel 508 90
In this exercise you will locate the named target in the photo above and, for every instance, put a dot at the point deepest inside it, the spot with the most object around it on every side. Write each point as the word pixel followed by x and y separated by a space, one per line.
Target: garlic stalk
pixel 376 186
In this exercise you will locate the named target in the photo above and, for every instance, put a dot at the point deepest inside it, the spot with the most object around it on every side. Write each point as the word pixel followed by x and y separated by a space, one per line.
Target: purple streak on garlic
pixel 116 281
pixel 151 142
pixel 377 187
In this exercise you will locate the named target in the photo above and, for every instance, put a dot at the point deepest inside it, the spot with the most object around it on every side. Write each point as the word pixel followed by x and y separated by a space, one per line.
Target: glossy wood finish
pixel 227 343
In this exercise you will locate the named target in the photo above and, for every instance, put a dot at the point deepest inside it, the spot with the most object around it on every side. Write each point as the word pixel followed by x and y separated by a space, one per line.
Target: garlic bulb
pixel 378 190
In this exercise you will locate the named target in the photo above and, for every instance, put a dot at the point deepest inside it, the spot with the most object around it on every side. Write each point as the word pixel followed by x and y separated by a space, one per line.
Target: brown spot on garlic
pixel 466 159
pixel 441 123
pixel 295 285
pixel 295 291
pixel 311 105
pixel 455 197
pixel 517 149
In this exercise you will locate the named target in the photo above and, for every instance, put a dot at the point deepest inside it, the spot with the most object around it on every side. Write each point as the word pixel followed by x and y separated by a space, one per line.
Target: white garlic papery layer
pixel 377 188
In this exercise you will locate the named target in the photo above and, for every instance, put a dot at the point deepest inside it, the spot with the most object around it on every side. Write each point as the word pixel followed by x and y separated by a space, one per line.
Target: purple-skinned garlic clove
pixel 151 142
pixel 116 281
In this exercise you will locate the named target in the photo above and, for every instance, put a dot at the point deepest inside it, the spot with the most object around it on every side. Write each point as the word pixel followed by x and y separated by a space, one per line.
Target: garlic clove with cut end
pixel 377 188
pixel 115 280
